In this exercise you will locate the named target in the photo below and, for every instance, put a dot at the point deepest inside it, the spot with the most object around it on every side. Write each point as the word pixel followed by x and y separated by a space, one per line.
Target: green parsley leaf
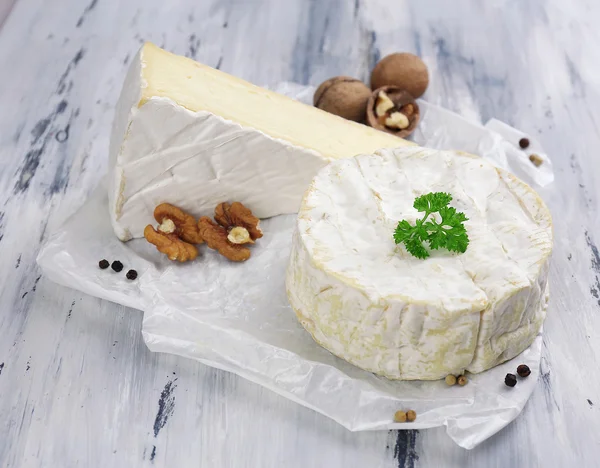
pixel 457 239
pixel 450 233
pixel 437 237
pixel 413 237
pixel 415 247
pixel 403 232
pixel 432 202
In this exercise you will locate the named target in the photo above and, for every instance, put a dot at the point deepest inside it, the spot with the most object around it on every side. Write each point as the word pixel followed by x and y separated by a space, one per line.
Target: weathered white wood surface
pixel 5 7
pixel 78 386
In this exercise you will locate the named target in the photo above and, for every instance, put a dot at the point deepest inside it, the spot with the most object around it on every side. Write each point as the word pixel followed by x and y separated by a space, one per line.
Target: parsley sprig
pixel 449 233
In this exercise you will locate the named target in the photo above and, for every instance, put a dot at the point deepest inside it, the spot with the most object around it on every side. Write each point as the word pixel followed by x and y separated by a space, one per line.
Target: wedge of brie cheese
pixel 192 136
pixel 370 302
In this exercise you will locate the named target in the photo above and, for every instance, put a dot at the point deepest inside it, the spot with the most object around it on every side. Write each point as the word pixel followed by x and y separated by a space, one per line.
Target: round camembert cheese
pixel 370 302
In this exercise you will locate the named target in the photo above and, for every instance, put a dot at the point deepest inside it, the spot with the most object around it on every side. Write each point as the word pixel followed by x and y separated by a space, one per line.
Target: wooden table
pixel 78 387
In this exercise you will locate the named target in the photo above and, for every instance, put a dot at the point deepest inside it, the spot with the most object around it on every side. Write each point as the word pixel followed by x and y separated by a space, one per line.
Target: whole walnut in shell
pixel 343 96
pixel 402 70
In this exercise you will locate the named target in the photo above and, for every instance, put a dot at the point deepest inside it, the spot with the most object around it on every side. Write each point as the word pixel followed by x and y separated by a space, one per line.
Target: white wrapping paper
pixel 236 317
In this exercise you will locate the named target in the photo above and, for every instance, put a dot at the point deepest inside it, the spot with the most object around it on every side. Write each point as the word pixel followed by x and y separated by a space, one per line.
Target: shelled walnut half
pixel 242 225
pixel 176 234
pixel 172 220
pixel 393 110
pixel 235 226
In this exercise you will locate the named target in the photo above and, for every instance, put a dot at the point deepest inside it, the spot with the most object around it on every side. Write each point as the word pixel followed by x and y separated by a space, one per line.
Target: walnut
pixel 176 233
pixel 392 110
pixel 235 225
pixel 172 220
pixel 171 245
pixel 343 96
pixel 405 71
pixel 215 237
pixel 235 216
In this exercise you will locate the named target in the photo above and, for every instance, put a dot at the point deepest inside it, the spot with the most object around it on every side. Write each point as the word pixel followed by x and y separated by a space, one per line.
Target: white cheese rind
pixel 193 136
pixel 369 302
pixel 198 160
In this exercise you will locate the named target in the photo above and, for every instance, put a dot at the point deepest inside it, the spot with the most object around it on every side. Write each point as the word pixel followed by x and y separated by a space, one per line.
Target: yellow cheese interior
pixel 198 88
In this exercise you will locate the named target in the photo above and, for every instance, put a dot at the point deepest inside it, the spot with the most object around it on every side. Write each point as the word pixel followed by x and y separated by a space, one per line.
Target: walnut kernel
pixel 392 110
pixel 397 120
pixel 215 237
pixel 176 233
pixel 171 245
pixel 237 215
pixel 383 104
pixel 186 228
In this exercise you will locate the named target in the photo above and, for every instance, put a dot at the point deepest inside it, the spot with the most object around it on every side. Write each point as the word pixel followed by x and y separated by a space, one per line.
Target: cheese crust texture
pixel 370 302
pixel 190 135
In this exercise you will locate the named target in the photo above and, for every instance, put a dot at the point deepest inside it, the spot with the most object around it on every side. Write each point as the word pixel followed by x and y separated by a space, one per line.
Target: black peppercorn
pixel 117 266
pixel 103 264
pixel 510 380
pixel 523 370
pixel 131 275
pixel 524 143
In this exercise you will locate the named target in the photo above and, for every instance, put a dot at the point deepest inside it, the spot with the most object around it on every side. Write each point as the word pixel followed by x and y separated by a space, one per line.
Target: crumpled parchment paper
pixel 236 317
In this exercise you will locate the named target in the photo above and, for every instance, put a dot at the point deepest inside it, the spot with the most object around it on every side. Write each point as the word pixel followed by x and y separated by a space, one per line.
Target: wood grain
pixel 5 8
pixel 78 386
